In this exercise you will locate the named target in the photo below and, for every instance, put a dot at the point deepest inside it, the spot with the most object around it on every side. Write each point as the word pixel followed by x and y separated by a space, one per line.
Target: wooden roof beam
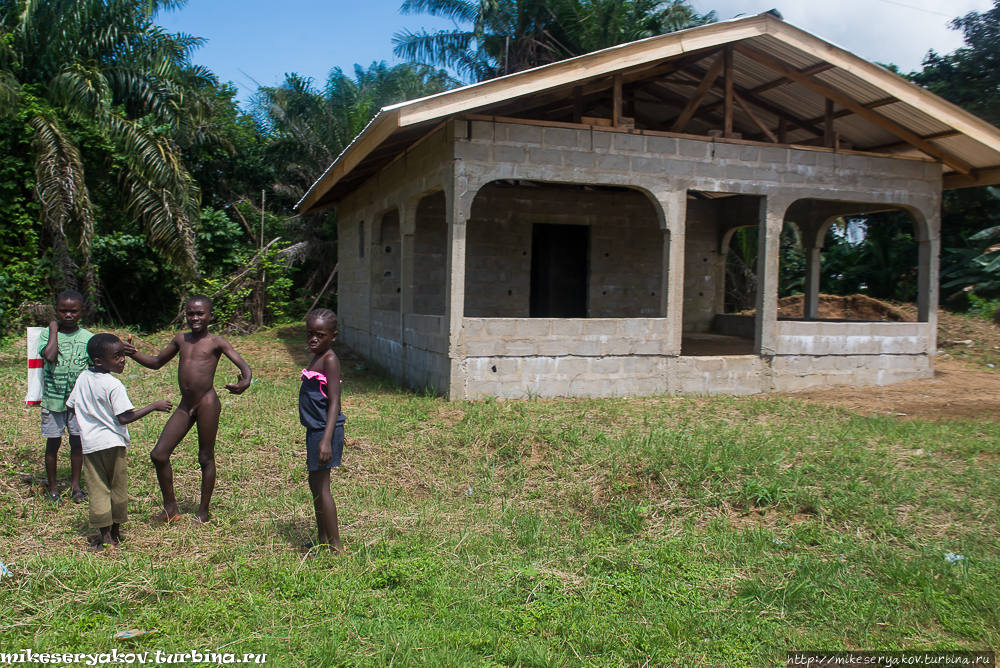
pixel 699 94
pixel 770 108
pixel 843 100
pixel 847 112
pixel 777 83
pixel 897 144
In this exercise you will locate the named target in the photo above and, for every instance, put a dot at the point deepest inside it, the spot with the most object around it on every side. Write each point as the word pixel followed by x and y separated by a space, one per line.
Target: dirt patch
pixel 955 392
pixel 854 307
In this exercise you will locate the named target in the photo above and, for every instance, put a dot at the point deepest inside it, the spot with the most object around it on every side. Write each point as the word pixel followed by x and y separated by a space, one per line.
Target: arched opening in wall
pixel 857 261
pixel 430 255
pixel 386 262
pixel 550 250
pixel 720 273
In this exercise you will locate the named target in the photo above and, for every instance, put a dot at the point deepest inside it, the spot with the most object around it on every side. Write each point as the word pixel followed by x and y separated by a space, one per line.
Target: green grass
pixel 624 532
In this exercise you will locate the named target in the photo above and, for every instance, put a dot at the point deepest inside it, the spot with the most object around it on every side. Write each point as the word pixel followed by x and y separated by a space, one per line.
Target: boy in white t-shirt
pixel 103 410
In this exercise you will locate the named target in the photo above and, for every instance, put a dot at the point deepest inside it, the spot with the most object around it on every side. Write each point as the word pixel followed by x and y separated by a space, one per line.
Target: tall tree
pixel 499 37
pixel 102 70
pixel 308 127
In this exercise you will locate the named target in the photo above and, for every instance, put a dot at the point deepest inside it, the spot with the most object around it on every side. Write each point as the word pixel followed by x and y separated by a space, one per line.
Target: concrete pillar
pixel 407 228
pixel 772 218
pixel 458 205
pixel 674 206
pixel 928 234
pixel 811 286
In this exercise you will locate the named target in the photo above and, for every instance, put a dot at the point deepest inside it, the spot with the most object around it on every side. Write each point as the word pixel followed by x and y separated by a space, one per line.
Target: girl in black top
pixel 319 413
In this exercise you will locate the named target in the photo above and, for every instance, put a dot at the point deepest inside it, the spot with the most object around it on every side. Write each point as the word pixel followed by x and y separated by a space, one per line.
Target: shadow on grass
pixel 295 532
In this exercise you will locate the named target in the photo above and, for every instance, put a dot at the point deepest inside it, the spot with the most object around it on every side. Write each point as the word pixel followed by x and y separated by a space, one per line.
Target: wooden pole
pixel 325 286
pixel 782 131
pixel 616 103
pixel 727 126
pixel 828 135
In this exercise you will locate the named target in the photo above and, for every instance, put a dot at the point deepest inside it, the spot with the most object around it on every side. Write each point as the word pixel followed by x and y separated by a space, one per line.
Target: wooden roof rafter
pixel 843 100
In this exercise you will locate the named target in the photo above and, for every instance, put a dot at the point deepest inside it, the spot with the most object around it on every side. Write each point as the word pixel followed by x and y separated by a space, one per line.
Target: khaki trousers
pixel 107 485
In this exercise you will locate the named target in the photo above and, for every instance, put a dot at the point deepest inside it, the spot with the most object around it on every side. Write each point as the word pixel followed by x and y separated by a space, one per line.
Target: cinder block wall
pixel 430 256
pixel 386 258
pixel 626 249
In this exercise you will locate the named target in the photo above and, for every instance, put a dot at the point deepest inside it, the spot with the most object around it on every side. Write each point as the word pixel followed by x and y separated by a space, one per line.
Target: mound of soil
pixel 855 307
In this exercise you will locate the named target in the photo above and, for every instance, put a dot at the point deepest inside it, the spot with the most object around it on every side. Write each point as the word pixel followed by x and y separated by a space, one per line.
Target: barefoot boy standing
pixel 103 410
pixel 200 352
pixel 64 349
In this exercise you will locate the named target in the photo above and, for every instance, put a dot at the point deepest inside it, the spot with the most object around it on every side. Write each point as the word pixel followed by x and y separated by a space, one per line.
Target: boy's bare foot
pixel 166 518
pixel 202 516
pixel 337 548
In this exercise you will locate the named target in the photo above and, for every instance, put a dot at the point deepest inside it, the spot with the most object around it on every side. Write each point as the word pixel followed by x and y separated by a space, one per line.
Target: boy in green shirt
pixel 64 349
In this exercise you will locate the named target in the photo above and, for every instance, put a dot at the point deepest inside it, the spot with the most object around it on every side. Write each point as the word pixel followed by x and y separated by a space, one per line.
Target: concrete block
pixel 661 145
pixel 507 366
pixel 605 365
pixel 652 347
pixel 632 364
pixel 509 154
pixel 678 167
pixel 709 170
pixel 524 134
pixel 740 172
pixel 567 327
pixel 647 165
pixel 465 150
pixel 617 346
pixel 587 348
pixel 612 162
pixel 584 159
pixel 600 141
pixel 805 158
pixel 485 348
pixel 627 143
pixel 572 366
pixel 532 327
pixel 545 156
pixel 481 130
pixel 749 153
pixel 538 367
pixel 774 155
pixel 693 148
pixel 561 137
pixel 602 327
pixel 499 326
pixel 721 151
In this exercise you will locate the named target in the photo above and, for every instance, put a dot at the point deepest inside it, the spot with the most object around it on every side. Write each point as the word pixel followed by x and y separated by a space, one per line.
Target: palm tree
pixel 504 36
pixel 501 37
pixel 104 69
pixel 307 127
pixel 592 25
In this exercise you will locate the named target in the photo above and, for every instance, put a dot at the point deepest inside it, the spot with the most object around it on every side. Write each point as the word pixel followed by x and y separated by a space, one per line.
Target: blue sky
pixel 255 42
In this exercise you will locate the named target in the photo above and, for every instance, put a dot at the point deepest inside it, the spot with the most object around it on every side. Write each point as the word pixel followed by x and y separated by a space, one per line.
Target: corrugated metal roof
pixel 762 43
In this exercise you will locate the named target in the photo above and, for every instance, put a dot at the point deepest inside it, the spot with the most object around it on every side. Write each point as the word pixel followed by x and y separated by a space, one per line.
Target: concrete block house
pixel 564 231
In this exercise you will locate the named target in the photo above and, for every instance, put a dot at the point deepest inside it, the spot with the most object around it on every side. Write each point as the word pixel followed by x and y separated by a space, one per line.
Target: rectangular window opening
pixel 559 270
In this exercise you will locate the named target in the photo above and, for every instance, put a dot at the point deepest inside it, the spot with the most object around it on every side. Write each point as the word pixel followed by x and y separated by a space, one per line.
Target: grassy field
pixel 630 532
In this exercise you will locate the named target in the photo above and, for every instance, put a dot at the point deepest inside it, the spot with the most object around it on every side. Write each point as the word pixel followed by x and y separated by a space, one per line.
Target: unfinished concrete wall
pixel 625 258
pixel 426 347
pixel 811 354
pixel 369 313
pixel 385 261
pixel 430 251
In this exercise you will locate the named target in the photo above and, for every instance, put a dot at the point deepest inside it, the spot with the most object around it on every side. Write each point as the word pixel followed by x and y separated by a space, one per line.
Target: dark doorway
pixel 559 271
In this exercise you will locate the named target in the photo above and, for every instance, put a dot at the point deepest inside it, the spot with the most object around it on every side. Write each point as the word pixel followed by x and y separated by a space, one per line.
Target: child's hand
pixel 241 385
pixel 325 451
pixel 53 326
pixel 164 406
pixel 130 350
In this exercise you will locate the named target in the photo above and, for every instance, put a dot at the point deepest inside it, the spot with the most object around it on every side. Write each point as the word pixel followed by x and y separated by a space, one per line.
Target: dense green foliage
pixel 130 172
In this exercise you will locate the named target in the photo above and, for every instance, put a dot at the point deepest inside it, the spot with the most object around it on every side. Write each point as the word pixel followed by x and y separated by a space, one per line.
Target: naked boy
pixel 200 352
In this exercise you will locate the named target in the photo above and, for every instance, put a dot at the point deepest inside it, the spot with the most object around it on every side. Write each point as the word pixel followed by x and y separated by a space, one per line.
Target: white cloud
pixel 882 31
